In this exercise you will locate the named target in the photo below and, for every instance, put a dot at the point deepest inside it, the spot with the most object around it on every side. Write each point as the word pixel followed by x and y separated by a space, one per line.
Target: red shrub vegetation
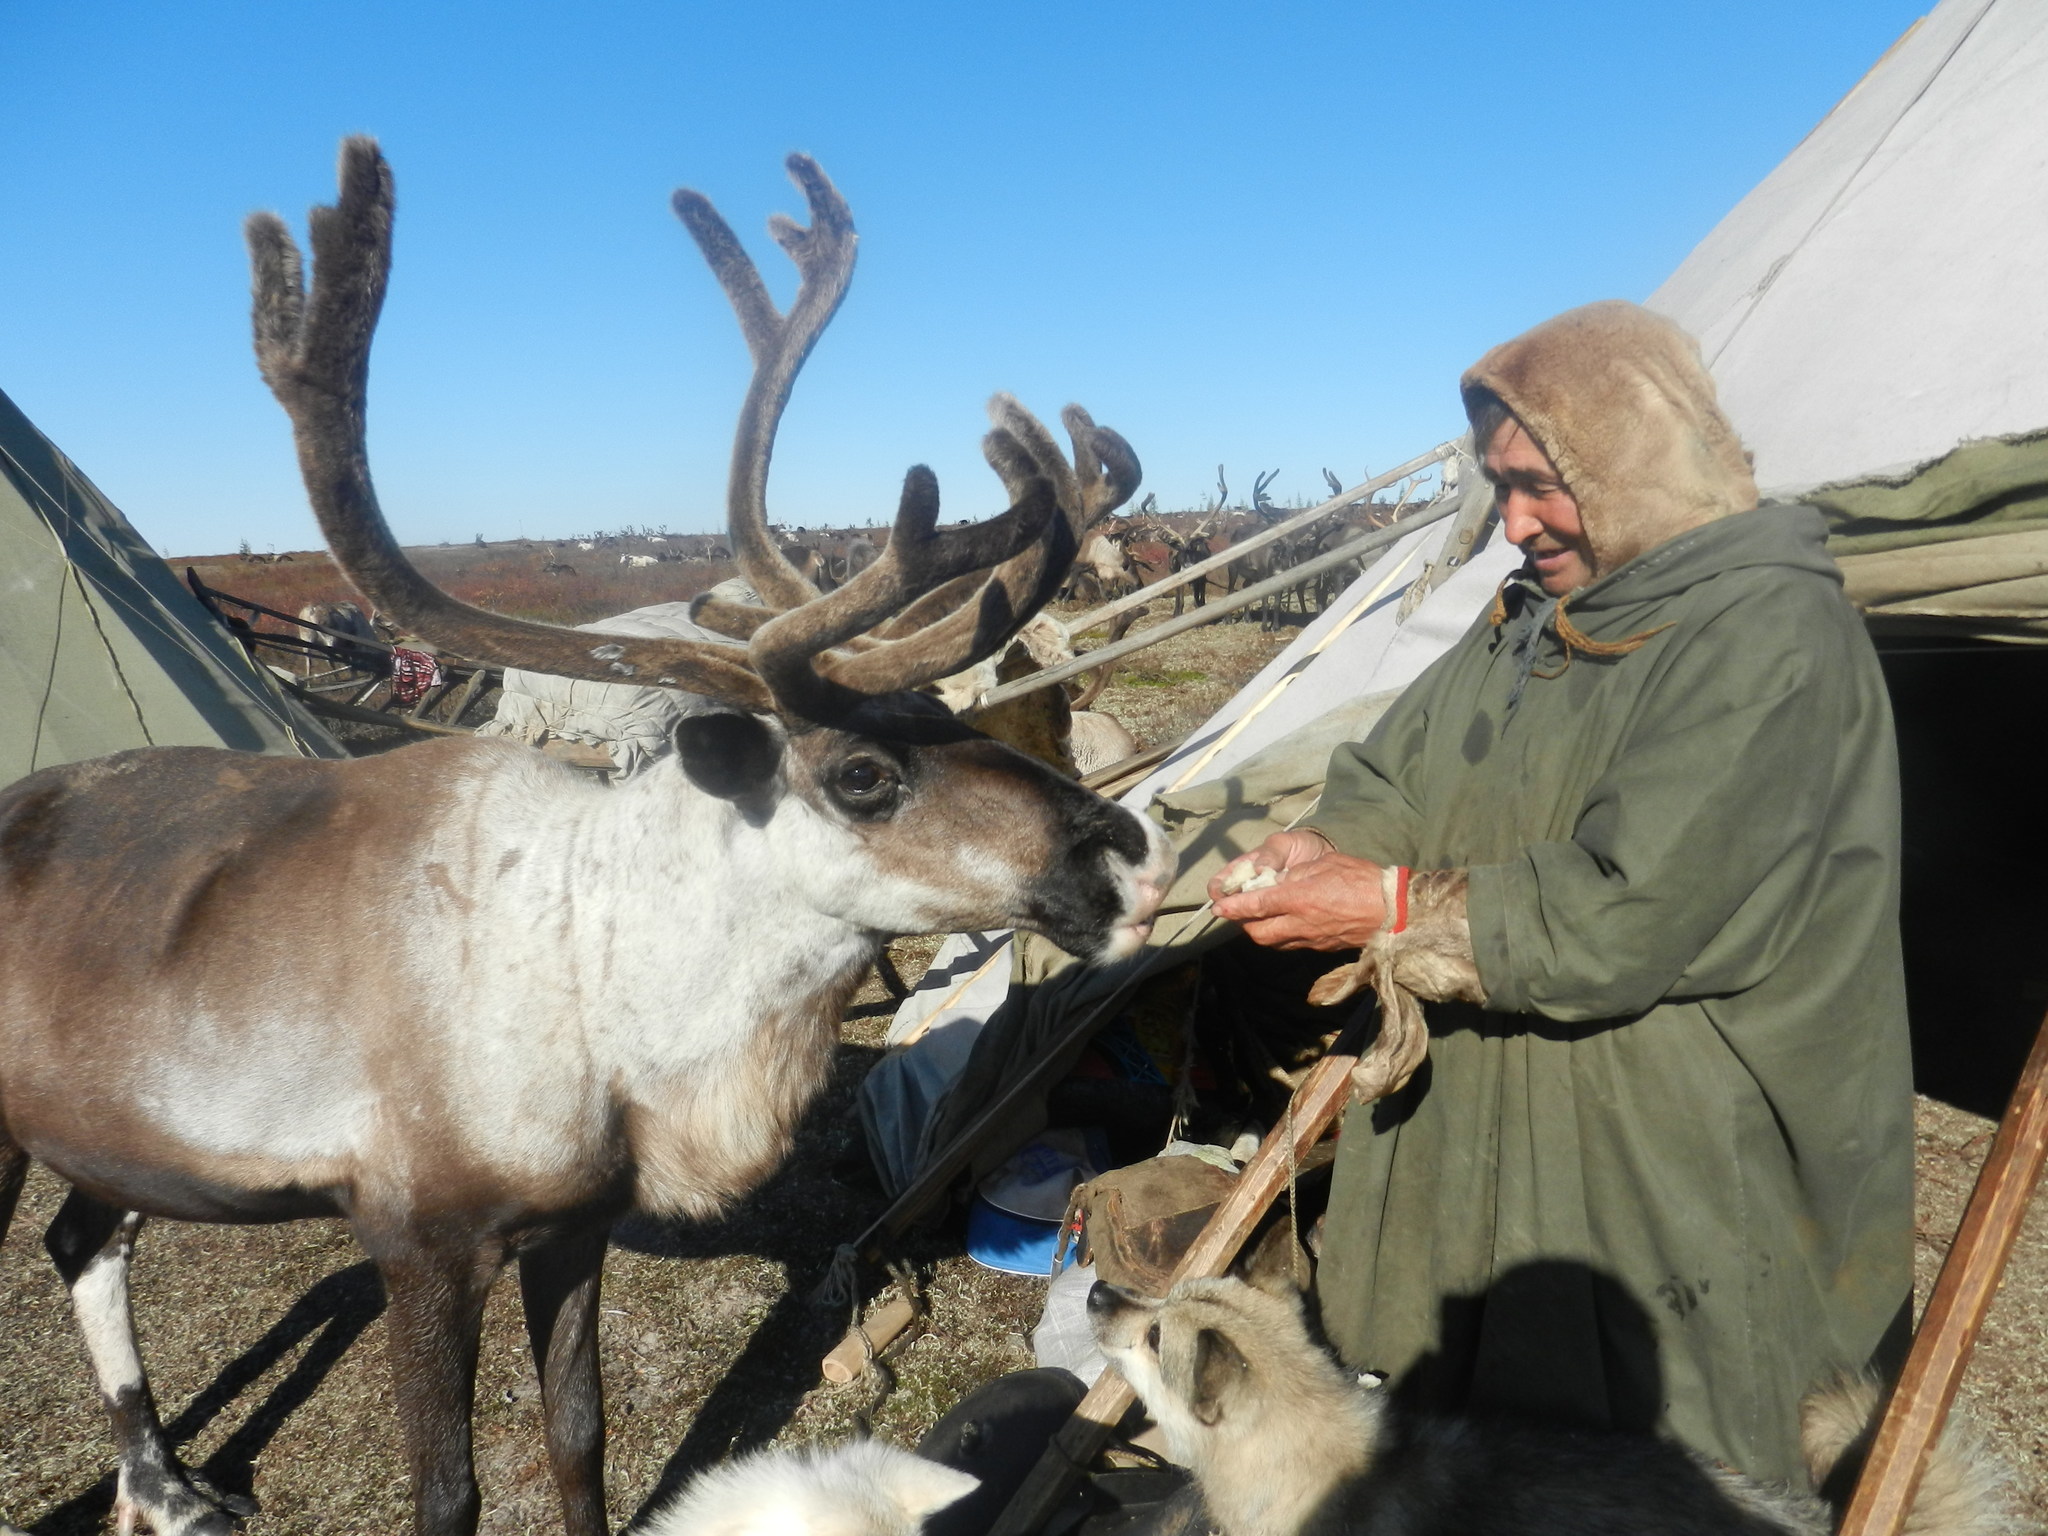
pixel 505 578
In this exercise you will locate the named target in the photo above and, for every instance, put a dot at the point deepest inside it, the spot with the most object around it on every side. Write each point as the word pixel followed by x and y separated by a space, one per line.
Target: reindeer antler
pixel 314 353
pixel 968 590
pixel 779 344
pixel 952 619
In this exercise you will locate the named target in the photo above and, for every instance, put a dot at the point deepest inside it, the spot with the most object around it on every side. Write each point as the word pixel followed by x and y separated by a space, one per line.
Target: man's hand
pixel 1279 853
pixel 1324 900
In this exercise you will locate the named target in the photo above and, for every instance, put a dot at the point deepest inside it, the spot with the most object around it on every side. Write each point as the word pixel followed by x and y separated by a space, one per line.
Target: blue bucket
pixel 1009 1244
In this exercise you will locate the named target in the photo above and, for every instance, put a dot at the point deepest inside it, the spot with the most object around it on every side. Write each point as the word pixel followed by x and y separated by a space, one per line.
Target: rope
pixel 1296 1269
pixel 841 1285
pixel 1576 642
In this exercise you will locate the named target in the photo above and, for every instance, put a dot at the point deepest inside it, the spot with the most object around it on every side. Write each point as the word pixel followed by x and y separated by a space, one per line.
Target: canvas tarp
pixel 1876 300
pixel 1873 314
pixel 1957 547
pixel 101 646
pixel 635 725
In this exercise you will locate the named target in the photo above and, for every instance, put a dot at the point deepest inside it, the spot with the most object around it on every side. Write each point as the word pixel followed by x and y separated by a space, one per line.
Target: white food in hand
pixel 1245 877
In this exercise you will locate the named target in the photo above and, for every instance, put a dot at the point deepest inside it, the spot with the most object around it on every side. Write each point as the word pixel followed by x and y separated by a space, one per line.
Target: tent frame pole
pixel 1969 1280
pixel 1088 661
pixel 1260 540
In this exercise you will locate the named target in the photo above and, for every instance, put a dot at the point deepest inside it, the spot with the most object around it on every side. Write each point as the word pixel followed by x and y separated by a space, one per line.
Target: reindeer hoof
pixel 173 1501
pixel 241 1505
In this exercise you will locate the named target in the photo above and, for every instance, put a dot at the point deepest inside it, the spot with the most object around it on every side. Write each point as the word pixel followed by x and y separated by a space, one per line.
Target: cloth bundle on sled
pixel 1872 317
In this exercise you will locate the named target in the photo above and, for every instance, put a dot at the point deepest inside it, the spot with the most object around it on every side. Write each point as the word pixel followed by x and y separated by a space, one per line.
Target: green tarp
pixel 1956 547
pixel 101 646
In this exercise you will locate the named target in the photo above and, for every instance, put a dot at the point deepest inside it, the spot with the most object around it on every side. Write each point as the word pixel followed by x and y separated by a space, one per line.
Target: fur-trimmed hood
pixel 1619 399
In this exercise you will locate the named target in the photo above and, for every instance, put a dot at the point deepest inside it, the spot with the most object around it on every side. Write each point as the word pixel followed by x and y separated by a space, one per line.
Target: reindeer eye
pixel 1152 1338
pixel 865 786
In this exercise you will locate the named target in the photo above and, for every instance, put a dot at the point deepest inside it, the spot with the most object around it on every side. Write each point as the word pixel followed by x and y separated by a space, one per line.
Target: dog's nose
pixel 1104 1298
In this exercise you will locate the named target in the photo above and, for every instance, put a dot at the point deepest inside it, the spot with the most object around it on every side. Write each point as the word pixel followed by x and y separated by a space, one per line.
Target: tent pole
pixel 1919 1404
pixel 1208 754
pixel 1330 559
pixel 1260 540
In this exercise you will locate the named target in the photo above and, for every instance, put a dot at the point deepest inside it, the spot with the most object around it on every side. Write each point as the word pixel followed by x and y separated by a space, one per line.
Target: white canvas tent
pixel 1877 303
pixel 1878 299
pixel 101 646
pixel 1877 322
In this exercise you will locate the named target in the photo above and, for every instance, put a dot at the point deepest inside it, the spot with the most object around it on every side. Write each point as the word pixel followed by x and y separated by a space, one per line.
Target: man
pixel 1657 1171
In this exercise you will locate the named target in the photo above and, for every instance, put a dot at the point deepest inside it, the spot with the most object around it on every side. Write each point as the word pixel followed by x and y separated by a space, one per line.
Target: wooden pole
pixel 1317 1102
pixel 1969 1279
pixel 1260 540
pixel 334 709
pixel 1194 618
pixel 478 681
pixel 1130 767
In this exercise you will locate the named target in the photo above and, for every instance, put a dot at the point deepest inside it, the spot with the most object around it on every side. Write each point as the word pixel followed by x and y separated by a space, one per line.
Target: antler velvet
pixel 934 603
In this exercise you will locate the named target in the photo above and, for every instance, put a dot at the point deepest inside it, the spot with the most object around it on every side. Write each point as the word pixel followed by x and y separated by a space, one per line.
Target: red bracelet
pixel 1401 873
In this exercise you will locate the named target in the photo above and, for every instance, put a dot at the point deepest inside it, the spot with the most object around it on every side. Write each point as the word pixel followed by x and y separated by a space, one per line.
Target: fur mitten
pixel 1422 951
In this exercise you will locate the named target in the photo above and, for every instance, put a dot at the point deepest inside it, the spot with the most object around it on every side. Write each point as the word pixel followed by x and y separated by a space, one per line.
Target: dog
pixel 863 1488
pixel 1282 1442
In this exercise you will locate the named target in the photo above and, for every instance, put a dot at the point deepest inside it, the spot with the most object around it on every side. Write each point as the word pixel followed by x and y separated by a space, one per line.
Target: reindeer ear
pixel 726 753
pixel 1218 1369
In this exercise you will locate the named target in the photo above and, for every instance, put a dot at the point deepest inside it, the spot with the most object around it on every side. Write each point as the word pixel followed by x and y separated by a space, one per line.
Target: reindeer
pixel 1100 571
pixel 539 1002
pixel 332 625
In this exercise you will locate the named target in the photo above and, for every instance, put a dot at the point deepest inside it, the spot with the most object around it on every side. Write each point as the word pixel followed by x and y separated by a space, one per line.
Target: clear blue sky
pixel 1270 235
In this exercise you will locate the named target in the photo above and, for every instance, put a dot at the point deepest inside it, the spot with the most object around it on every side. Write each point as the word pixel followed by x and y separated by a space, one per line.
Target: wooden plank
pixel 1130 767
pixel 478 680
pixel 432 696
pixel 1920 1403
pixel 334 709
pixel 1317 1103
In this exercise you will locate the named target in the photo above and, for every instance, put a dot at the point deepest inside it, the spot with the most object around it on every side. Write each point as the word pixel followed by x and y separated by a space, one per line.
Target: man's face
pixel 1537 512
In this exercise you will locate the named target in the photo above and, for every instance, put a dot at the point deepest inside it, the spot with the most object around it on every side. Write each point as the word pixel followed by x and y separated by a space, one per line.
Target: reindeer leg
pixel 91 1244
pixel 13 1170
pixel 558 1283
pixel 435 1283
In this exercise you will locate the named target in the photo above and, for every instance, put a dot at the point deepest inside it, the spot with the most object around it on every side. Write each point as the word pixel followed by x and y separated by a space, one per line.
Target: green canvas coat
pixel 1665 1178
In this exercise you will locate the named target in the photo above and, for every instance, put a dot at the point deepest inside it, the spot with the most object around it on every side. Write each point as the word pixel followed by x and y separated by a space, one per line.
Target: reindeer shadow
pixel 333 1314
pixel 822 1196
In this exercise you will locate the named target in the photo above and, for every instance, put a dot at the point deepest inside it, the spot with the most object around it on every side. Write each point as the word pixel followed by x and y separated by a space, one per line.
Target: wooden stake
pixel 850 1356
pixel 1920 1403
pixel 1320 1099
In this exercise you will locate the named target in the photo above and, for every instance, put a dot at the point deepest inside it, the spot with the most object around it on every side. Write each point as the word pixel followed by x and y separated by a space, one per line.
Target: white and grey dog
pixel 1282 1442
pixel 863 1488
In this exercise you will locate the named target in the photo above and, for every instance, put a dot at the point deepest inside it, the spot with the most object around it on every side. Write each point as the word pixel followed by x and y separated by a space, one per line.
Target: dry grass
pixel 265 1344
pixel 1161 694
